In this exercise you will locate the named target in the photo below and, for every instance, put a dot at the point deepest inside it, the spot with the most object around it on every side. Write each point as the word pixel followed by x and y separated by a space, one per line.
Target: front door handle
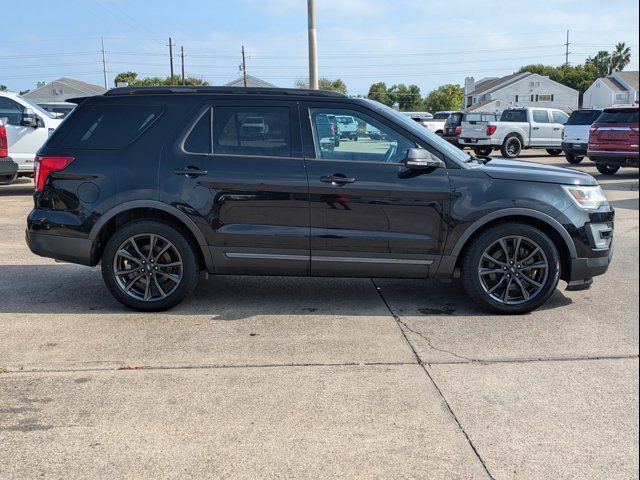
pixel 536 128
pixel 190 172
pixel 337 179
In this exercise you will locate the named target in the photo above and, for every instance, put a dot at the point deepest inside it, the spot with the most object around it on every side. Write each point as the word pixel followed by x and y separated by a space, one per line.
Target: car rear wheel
pixel 512 268
pixel 150 266
pixel 607 169
pixel 511 147
pixel 554 152
pixel 482 151
pixel 574 159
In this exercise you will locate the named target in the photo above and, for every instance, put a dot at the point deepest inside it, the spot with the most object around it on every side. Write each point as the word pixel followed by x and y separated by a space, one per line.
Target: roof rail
pixel 221 91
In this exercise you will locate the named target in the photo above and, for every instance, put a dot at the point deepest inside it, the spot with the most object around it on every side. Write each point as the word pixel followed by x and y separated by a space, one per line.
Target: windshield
pixel 583 117
pixel 622 115
pixel 421 132
pixel 38 108
pixel 454 119
pixel 441 116
pixel 514 116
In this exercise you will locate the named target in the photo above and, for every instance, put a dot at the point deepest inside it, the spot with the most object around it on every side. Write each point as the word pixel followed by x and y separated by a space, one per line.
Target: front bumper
pixel 575 148
pixel 66 249
pixel 583 269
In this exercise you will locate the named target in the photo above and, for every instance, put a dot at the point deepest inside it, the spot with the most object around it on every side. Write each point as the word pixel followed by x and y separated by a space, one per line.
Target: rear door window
pixel 263 131
pixel 110 127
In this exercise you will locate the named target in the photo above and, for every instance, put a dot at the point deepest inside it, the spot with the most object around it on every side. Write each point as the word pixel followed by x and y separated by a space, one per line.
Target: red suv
pixel 613 139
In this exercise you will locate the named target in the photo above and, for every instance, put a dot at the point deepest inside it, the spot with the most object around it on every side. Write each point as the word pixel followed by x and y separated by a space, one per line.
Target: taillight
pixel 491 129
pixel 4 143
pixel 425 124
pixel 458 130
pixel 47 165
pixel 593 129
pixel 332 130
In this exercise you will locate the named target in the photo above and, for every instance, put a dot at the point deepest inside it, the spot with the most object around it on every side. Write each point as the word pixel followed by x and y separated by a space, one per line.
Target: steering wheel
pixel 391 152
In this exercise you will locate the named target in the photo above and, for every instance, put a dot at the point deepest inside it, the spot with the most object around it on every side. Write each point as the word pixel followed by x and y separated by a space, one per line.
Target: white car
pixel 28 126
pixel 436 124
pixel 575 138
pixel 348 127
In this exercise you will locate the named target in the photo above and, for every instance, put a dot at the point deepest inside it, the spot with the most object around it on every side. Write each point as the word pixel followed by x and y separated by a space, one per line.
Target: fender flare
pixel 510 212
pixel 174 212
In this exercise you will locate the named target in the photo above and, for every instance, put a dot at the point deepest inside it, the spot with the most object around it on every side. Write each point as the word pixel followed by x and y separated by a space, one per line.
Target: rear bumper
pixel 623 158
pixel 452 139
pixel 472 142
pixel 574 148
pixel 67 249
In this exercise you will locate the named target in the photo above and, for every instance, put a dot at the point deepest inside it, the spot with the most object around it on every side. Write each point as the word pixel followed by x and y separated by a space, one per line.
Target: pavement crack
pixel 433 382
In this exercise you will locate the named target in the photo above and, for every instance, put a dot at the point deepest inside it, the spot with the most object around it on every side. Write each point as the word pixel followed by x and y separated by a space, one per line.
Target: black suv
pixel 158 185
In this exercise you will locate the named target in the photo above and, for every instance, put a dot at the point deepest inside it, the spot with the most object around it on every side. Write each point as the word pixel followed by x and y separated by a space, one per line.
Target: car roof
pixel 177 90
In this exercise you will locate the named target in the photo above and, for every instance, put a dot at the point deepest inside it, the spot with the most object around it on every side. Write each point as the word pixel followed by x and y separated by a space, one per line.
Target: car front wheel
pixel 512 268
pixel 149 265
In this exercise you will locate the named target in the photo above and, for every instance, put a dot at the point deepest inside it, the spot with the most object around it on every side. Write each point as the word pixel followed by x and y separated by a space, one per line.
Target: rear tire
pixel 607 169
pixel 150 266
pixel 573 159
pixel 554 152
pixel 515 258
pixel 511 147
pixel 482 151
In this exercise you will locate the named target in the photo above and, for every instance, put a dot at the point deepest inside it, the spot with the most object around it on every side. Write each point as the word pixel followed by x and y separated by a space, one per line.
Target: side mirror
pixel 421 159
pixel 29 118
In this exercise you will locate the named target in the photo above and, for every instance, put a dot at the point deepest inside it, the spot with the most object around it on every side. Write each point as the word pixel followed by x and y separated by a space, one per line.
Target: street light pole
pixel 313 46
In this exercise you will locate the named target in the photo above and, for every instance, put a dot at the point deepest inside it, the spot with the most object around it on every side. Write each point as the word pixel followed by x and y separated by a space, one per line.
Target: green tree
pixel 406 98
pixel 380 93
pixel 601 62
pixel 132 79
pixel 445 97
pixel 538 68
pixel 620 57
pixel 3 88
pixel 324 83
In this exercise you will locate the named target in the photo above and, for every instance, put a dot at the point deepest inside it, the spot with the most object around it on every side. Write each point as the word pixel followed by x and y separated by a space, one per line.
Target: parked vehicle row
pixel 517 129
pixel 155 185
pixel 27 126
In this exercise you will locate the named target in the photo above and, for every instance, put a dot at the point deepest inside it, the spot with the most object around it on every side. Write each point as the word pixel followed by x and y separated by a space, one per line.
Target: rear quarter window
pixel 110 127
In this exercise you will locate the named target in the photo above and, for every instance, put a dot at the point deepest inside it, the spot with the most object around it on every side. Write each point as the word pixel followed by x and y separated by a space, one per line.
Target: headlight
pixel 588 198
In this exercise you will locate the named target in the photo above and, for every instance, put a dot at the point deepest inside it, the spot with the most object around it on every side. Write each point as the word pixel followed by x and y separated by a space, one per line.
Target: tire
pixel 482 151
pixel 554 152
pixel 440 133
pixel 337 142
pixel 573 159
pixel 511 147
pixel 488 289
pixel 355 138
pixel 607 169
pixel 131 288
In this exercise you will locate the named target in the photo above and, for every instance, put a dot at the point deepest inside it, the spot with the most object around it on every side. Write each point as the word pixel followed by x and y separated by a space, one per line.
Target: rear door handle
pixel 190 172
pixel 337 179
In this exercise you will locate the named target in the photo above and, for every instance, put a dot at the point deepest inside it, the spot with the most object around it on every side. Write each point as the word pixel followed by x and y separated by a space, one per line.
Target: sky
pixel 422 42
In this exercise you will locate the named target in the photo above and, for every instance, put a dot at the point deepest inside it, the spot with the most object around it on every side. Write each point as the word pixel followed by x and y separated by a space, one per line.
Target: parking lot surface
pixel 258 377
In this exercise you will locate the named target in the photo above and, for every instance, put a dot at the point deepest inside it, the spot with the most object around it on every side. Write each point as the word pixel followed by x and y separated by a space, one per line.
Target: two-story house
pixel 619 88
pixel 518 90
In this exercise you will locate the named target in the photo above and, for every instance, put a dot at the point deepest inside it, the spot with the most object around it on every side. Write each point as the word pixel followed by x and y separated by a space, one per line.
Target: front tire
pixel 554 152
pixel 511 147
pixel 512 268
pixel 150 266
pixel 574 159
pixel 607 169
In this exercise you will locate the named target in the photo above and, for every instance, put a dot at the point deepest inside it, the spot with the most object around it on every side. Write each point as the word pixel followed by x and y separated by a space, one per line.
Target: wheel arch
pixel 515 133
pixel 148 209
pixel 549 225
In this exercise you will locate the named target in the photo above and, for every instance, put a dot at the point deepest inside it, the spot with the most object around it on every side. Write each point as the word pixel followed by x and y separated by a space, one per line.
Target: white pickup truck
pixel 28 126
pixel 517 129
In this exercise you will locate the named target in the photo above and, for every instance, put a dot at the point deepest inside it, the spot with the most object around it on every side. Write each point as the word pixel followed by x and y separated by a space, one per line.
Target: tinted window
pixel 252 131
pixel 623 115
pixel 377 142
pixel 110 127
pixel 199 139
pixel 514 116
pixel 559 117
pixel 454 119
pixel 474 117
pixel 10 111
pixel 583 117
pixel 540 116
pixel 441 116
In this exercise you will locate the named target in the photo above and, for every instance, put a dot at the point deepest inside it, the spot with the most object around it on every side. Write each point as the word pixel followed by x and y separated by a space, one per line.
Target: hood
pixel 536 172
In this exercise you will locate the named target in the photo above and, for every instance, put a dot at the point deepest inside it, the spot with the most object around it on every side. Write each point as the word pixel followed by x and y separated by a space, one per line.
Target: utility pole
pixel 567 52
pixel 313 45
pixel 244 68
pixel 171 58
pixel 104 64
pixel 182 62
